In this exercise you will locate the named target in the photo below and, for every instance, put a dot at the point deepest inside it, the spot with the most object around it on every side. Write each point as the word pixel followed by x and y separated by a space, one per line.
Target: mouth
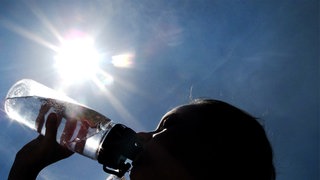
pixel 137 160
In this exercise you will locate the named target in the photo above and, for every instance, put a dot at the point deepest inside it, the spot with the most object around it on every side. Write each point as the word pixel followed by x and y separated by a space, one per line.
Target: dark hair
pixel 237 145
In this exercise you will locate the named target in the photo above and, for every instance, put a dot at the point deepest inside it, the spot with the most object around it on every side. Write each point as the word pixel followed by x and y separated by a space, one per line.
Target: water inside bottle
pixel 80 129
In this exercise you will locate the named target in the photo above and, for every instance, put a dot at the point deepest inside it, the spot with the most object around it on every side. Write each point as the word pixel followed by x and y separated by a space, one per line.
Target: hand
pixel 39 153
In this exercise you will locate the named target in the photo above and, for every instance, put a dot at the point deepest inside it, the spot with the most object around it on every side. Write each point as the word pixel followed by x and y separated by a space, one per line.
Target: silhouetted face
pixel 197 141
pixel 167 146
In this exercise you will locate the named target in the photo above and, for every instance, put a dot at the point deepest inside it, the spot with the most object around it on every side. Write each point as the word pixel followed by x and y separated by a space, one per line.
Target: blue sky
pixel 260 55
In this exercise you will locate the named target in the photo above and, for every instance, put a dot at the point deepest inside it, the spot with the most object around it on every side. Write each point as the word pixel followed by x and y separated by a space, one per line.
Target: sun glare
pixel 77 58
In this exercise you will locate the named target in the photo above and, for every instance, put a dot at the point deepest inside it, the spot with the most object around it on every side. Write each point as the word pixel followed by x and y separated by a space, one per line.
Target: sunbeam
pixel 27 34
pixel 120 108
pixel 40 15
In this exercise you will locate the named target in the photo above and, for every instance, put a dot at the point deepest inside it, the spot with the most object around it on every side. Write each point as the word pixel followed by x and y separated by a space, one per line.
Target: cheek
pixel 157 160
pixel 156 155
pixel 152 164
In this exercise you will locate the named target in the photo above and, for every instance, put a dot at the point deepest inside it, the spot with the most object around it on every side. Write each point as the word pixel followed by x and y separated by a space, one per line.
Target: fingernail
pixel 53 118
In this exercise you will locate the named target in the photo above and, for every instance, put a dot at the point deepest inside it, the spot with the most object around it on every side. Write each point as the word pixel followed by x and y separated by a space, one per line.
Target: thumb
pixel 51 126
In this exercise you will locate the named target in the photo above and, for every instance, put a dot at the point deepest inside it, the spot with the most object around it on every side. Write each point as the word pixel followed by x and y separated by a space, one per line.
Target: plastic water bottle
pixel 81 129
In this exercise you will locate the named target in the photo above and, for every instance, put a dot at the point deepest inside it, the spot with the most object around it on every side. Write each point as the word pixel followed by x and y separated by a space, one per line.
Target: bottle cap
pixel 120 144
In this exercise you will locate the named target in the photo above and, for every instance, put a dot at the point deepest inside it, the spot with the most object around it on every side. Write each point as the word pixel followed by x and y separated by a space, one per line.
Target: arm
pixel 39 153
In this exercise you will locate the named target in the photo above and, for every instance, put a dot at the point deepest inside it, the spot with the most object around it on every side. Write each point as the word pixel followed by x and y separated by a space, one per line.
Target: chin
pixel 132 173
pixel 137 173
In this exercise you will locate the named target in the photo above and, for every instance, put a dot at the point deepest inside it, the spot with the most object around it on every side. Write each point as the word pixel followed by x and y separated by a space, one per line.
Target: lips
pixel 137 160
pixel 134 172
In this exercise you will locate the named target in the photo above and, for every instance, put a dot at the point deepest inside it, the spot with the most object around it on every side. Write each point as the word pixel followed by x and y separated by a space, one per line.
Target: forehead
pixel 183 113
pixel 184 109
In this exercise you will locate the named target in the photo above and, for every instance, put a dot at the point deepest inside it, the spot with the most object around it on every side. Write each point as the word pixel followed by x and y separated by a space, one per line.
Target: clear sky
pixel 260 55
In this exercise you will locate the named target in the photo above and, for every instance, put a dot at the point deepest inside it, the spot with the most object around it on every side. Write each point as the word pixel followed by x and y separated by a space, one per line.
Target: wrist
pixel 20 170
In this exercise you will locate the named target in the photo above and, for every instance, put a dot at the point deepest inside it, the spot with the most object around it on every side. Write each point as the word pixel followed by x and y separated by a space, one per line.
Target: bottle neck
pixel 119 145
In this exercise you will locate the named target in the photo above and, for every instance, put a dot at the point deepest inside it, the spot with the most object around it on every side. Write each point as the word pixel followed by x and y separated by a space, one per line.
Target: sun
pixel 77 58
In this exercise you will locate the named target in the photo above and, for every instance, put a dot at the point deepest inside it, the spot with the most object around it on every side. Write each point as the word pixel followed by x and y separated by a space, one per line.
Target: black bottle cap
pixel 120 144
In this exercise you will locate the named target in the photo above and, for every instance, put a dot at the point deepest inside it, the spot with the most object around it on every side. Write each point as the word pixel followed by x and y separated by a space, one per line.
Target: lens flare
pixel 123 60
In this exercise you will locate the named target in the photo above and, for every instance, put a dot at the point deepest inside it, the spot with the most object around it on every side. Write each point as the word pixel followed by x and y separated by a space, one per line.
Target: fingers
pixel 82 136
pixel 51 126
pixel 41 117
pixel 68 131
